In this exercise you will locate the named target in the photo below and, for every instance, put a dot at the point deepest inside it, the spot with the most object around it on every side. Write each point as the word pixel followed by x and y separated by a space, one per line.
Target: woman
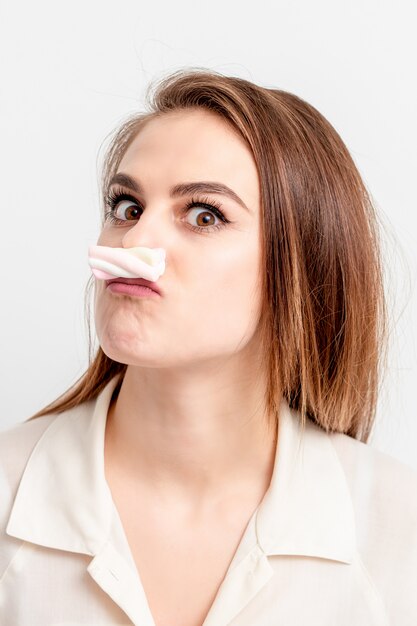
pixel 211 465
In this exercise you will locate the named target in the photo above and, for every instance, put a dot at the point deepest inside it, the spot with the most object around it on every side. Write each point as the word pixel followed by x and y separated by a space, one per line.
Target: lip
pixel 136 281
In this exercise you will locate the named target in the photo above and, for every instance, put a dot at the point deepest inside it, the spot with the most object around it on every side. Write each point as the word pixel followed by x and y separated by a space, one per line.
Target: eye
pixel 123 208
pixel 126 210
pixel 206 215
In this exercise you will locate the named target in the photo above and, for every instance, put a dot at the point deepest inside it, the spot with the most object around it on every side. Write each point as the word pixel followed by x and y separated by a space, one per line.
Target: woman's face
pixel 210 299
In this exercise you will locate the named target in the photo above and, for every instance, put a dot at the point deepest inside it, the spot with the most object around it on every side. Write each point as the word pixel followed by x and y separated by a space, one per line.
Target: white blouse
pixel 333 542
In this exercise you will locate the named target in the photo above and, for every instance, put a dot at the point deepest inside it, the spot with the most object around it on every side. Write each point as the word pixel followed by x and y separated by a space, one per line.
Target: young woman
pixel 211 466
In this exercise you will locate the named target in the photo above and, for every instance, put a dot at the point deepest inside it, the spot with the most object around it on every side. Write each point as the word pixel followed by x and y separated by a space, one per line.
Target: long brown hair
pixel 324 313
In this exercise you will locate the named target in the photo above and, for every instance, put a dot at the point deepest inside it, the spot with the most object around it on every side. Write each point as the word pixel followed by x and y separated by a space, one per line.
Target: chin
pixel 121 351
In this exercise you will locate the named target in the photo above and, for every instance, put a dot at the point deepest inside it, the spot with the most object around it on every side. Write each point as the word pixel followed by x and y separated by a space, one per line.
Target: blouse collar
pixel 63 500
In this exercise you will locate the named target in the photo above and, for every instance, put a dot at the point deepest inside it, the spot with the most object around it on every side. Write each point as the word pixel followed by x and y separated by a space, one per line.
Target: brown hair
pixel 323 323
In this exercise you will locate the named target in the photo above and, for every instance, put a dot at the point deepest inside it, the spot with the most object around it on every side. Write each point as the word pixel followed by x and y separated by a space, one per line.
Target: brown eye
pixel 209 212
pixel 204 217
pixel 125 210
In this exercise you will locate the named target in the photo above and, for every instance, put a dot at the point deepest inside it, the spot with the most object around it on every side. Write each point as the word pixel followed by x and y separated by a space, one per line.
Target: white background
pixel 72 72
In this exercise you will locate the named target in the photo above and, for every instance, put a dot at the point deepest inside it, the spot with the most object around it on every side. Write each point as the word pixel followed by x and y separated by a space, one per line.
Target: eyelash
pixel 115 196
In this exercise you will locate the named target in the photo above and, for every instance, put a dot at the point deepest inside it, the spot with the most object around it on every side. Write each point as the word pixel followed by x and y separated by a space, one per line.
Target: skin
pixel 188 428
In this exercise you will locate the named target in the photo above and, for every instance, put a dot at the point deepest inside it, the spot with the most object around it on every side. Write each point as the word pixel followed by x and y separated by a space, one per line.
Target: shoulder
pixel 17 443
pixel 384 497
pixel 387 485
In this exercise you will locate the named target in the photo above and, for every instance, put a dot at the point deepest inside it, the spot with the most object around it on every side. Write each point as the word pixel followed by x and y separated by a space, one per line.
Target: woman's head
pixel 297 276
pixel 209 308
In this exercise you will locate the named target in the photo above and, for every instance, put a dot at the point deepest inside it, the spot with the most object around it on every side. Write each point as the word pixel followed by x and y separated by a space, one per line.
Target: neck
pixel 193 435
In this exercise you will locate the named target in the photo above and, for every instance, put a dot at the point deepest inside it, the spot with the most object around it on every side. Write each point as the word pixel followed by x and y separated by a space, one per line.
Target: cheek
pixel 225 298
pixel 109 236
pixel 103 308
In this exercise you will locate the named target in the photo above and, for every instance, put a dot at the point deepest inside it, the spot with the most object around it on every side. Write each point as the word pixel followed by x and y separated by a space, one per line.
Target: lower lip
pixel 132 290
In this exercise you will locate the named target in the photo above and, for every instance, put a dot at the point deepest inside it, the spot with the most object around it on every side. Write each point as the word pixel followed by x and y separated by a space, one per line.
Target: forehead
pixel 195 145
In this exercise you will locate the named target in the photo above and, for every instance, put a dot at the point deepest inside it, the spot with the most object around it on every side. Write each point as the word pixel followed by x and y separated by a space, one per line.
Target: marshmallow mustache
pixel 138 262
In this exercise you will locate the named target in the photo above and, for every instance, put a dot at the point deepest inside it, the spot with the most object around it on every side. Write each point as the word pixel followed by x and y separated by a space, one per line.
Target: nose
pixel 146 232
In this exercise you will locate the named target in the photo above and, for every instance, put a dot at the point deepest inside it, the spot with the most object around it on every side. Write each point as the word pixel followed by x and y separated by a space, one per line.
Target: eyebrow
pixel 182 189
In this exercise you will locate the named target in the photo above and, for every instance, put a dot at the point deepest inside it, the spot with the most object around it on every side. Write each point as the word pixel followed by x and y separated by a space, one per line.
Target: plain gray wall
pixel 70 72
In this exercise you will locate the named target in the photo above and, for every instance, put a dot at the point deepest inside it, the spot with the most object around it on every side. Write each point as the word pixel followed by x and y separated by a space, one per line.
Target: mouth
pixel 136 281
